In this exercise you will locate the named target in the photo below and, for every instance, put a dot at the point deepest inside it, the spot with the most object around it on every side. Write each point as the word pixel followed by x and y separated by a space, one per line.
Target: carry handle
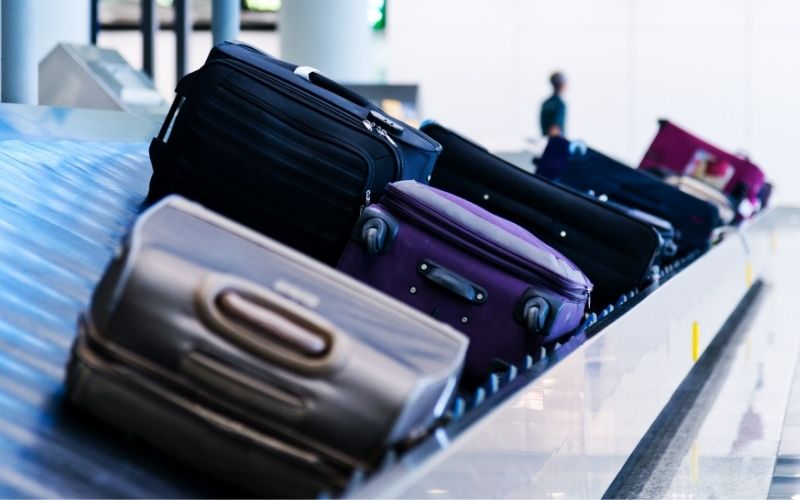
pixel 169 122
pixel 268 325
pixel 314 76
pixel 294 333
pixel 452 282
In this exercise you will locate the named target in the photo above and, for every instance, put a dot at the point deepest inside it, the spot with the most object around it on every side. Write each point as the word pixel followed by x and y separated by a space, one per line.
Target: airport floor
pixel 630 413
pixel 740 411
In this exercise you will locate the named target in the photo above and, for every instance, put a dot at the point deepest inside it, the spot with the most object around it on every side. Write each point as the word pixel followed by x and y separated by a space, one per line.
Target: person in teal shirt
pixel 554 110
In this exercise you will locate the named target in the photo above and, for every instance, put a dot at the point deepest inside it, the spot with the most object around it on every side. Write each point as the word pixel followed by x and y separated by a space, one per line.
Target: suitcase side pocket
pixel 270 326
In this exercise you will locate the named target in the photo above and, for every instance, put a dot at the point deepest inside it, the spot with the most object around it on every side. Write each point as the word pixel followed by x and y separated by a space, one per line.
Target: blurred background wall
pixel 61 21
pixel 726 69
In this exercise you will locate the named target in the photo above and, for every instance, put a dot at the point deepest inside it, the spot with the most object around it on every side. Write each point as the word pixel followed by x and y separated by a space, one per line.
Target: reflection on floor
pixel 728 438
pixel 786 475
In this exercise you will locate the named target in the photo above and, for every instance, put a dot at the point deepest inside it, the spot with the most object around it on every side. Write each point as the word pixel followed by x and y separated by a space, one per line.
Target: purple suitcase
pixel 509 292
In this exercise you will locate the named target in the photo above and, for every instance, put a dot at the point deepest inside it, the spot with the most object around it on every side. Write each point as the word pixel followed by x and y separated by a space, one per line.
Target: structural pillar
pixel 225 20
pixel 149 32
pixel 20 68
pixel 183 30
pixel 333 36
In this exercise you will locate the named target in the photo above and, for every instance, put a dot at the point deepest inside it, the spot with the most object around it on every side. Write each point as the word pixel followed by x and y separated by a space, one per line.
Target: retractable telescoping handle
pixel 314 76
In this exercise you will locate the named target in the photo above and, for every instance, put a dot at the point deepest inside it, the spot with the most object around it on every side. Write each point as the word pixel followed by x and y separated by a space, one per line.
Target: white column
pixel 333 36
pixel 225 20
pixel 20 76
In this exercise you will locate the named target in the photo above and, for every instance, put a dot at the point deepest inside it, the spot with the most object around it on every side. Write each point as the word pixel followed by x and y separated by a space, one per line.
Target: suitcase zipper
pixel 332 111
pixel 306 129
pixel 402 204
pixel 435 145
pixel 372 126
pixel 367 200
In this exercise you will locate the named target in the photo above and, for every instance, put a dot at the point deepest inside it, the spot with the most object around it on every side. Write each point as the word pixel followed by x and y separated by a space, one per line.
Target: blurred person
pixel 554 110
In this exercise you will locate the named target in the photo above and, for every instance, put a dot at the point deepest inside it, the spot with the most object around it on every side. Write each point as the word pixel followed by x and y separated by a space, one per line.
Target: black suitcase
pixel 575 165
pixel 282 149
pixel 250 360
pixel 617 252
pixel 664 228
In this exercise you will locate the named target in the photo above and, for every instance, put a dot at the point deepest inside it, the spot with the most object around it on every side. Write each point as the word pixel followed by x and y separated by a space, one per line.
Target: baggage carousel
pixel 681 389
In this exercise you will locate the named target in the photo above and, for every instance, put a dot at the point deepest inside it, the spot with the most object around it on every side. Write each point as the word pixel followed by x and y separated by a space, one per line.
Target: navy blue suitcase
pixel 282 149
pixel 584 169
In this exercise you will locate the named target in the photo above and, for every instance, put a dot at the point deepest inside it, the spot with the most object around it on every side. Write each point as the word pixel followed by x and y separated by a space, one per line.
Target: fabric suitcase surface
pixel 616 251
pixel 675 149
pixel 253 358
pixel 700 189
pixel 282 149
pixel 585 169
pixel 493 280
pixel 764 194
pixel 662 226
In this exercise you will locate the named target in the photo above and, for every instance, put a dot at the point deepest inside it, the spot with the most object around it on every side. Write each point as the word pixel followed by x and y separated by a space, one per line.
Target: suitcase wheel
pixel 535 312
pixel 374 235
pixel 376 230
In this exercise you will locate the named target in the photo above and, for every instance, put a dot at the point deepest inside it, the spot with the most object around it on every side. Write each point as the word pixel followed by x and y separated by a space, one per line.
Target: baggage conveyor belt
pixel 72 184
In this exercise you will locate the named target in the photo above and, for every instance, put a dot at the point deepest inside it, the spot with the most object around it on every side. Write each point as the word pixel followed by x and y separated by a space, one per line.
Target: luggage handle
pixel 314 76
pixel 246 311
pixel 269 325
pixel 452 282
pixel 169 122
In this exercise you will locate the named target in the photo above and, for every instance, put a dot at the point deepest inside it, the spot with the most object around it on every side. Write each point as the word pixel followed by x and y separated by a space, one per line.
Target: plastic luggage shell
pixel 261 360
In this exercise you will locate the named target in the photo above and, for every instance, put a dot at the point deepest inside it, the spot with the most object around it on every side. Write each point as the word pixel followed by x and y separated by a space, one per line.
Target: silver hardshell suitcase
pixel 250 360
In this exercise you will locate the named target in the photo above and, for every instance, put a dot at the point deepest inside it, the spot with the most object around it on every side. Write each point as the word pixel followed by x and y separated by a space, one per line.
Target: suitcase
pixel 764 195
pixel 663 227
pixel 679 151
pixel 583 168
pixel 617 252
pixel 282 149
pixel 493 280
pixel 705 192
pixel 252 361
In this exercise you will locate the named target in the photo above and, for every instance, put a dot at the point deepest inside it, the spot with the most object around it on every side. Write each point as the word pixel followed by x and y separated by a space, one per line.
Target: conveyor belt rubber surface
pixel 64 208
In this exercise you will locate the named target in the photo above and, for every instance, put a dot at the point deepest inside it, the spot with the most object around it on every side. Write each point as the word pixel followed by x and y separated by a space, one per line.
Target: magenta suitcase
pixel 504 288
pixel 679 151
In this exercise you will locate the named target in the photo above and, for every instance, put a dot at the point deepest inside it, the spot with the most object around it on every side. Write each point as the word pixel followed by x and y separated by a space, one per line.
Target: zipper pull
pixel 367 196
pixel 368 125
pixel 386 136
